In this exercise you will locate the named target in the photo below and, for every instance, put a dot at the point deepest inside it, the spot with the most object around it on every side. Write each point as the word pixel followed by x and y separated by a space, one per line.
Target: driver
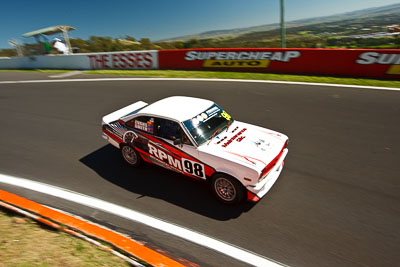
pixel 169 129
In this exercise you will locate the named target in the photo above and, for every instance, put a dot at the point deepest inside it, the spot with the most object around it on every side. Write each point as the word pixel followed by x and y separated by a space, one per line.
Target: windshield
pixel 208 124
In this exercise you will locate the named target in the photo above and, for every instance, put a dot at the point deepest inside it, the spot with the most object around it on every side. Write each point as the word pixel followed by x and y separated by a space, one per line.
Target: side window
pixel 168 129
pixel 171 130
pixel 143 123
pixel 185 139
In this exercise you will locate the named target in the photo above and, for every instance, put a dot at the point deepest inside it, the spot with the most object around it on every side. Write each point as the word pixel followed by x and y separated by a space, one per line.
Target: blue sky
pixel 159 19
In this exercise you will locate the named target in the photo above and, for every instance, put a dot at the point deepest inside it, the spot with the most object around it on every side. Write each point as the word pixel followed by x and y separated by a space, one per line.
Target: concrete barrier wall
pixel 116 60
pixel 369 63
pixel 11 63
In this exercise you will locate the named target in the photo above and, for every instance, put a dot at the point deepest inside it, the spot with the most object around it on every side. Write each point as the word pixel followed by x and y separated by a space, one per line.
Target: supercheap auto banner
pixel 374 63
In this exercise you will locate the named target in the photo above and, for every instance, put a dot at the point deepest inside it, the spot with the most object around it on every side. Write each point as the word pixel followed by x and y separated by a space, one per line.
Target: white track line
pixel 203 80
pixel 192 236
pixel 67 74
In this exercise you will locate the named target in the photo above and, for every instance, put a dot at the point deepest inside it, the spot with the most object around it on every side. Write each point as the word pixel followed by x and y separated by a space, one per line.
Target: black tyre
pixel 131 156
pixel 227 189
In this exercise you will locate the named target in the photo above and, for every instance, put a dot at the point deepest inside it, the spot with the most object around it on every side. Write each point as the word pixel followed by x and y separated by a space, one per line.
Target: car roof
pixel 180 108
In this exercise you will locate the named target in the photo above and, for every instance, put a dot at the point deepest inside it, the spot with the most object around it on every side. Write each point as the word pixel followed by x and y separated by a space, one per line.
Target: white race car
pixel 199 139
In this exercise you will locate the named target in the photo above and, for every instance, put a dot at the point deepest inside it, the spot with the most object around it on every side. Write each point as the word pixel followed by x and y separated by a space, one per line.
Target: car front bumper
pixel 262 187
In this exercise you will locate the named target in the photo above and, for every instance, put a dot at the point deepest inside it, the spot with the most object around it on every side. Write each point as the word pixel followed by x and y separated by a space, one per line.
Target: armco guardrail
pixel 369 63
pixel 377 63
pixel 112 60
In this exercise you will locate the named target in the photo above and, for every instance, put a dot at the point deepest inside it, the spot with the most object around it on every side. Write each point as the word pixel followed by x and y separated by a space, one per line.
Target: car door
pixel 154 137
pixel 170 131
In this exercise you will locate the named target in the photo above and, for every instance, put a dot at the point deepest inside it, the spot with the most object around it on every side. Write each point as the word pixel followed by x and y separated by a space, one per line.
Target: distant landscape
pixel 369 28
pixel 357 19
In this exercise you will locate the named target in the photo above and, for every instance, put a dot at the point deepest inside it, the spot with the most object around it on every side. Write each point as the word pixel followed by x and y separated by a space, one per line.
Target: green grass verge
pixel 24 243
pixel 233 75
pixel 248 76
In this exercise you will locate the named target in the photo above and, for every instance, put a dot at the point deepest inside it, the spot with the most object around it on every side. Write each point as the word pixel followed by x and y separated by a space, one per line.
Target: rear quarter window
pixel 143 123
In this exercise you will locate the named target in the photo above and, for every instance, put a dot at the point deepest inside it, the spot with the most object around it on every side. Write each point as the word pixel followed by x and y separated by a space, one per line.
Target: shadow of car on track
pixel 156 182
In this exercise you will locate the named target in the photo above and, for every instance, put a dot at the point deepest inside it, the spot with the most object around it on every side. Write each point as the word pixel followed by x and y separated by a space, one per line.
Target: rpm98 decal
pixel 193 168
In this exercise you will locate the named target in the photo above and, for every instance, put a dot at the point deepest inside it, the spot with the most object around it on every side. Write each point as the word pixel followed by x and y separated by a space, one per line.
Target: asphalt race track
pixel 336 203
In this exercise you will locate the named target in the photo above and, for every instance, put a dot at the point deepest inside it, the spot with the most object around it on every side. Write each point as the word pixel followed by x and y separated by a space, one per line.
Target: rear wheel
pixel 227 189
pixel 130 156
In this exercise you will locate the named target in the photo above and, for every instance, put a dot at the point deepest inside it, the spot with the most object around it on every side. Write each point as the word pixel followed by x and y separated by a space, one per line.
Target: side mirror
pixel 177 141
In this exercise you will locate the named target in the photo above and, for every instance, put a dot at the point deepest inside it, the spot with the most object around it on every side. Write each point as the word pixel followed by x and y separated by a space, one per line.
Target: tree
pixel 8 53
pixel 146 44
pixel 130 38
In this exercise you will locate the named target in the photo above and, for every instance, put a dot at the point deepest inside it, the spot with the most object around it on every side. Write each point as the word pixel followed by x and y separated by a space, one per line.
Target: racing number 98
pixel 193 168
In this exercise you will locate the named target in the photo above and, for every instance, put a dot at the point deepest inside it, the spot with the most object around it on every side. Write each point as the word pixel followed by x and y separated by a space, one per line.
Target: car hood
pixel 246 144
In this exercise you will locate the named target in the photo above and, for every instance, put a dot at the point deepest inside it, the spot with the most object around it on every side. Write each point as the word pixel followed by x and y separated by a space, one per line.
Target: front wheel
pixel 131 156
pixel 227 189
